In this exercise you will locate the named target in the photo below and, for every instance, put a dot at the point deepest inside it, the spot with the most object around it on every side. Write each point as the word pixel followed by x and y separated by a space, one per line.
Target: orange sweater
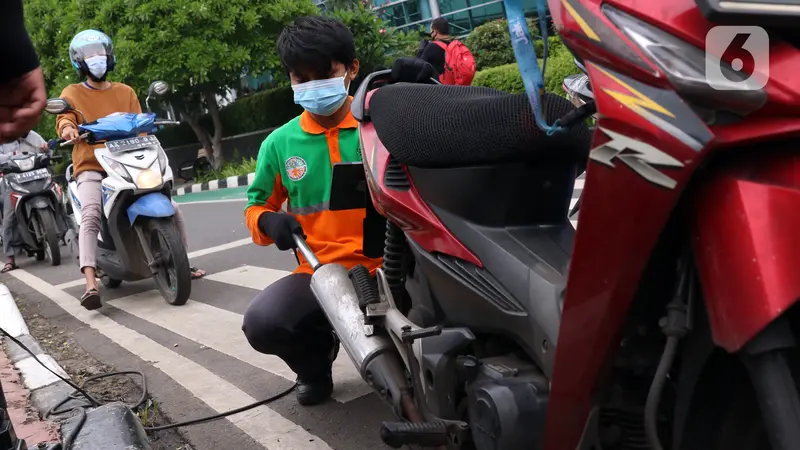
pixel 94 104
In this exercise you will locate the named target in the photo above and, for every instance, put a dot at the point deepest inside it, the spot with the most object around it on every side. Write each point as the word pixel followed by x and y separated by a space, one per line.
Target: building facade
pixel 463 15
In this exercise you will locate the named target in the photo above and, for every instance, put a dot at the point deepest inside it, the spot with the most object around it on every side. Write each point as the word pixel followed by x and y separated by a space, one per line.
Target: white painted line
pixel 263 424
pixel 250 178
pixel 197 188
pixel 71 284
pixel 232 182
pixel 222 330
pixel 213 185
pixel 230 200
pixel 252 277
pixel 10 318
pixel 195 254
pixel 181 191
pixel 220 248
pixel 35 376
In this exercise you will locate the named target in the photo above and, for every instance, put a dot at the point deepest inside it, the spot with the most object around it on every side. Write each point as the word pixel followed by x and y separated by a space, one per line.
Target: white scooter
pixel 138 236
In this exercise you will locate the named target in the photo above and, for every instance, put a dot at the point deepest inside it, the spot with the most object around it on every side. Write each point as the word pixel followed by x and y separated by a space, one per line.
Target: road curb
pixel 34 376
pixel 214 185
pixel 47 390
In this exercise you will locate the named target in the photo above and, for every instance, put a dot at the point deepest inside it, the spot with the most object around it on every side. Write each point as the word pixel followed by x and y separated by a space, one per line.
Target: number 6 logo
pixel 745 49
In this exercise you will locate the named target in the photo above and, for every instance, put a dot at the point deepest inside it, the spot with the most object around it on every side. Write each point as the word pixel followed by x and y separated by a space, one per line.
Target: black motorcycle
pixel 36 200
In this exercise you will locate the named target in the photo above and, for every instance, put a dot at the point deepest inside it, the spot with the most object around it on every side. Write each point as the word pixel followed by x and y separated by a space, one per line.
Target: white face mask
pixel 97 65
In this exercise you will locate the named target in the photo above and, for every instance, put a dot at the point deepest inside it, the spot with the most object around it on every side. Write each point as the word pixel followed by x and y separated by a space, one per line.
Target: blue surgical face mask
pixel 321 97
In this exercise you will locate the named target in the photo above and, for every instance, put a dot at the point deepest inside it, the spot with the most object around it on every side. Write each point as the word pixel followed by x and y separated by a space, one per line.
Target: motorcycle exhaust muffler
pixel 374 355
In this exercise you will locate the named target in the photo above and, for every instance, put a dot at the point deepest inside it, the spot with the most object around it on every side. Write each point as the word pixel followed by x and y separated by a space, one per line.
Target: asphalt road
pixel 195 356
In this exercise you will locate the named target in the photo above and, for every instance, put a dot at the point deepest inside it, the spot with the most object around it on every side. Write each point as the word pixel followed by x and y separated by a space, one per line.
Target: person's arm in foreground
pixel 22 92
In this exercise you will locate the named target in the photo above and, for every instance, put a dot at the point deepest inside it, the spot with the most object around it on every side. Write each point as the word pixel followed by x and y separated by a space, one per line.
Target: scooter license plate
pixel 130 144
pixel 32 175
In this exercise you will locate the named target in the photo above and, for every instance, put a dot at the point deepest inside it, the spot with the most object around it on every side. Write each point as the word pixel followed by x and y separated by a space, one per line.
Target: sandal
pixel 9 267
pixel 91 299
pixel 197 273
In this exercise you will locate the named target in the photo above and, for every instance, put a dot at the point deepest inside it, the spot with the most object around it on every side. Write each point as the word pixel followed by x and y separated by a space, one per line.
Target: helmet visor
pixel 86 51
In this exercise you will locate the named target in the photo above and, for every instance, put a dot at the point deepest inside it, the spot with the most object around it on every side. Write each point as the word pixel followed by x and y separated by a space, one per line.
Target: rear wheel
pixel 49 230
pixel 173 277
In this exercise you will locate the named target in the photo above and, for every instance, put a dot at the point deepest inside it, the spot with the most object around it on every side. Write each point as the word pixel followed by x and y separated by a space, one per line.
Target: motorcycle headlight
pixel 148 179
pixel 119 169
pixel 685 67
pixel 162 161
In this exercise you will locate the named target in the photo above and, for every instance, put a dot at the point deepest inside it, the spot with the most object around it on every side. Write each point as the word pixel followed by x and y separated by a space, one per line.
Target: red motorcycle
pixel 666 321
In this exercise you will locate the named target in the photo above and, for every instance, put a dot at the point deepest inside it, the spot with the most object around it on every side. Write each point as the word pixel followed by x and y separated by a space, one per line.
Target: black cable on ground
pixel 92 402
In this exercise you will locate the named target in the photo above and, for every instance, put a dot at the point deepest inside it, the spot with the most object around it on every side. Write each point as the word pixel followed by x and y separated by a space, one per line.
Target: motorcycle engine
pixel 507 404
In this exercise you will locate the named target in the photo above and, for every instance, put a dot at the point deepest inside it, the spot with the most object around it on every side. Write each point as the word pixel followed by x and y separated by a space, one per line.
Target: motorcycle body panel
pixel 746 241
pixel 404 206
pixel 154 204
pixel 612 251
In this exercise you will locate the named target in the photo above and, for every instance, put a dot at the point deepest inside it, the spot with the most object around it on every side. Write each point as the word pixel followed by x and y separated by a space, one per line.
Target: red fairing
pixel 746 223
pixel 746 244
pixel 621 218
pixel 406 208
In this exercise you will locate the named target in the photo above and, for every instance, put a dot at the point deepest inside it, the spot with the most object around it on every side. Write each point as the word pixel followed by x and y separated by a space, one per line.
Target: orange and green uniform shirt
pixel 295 164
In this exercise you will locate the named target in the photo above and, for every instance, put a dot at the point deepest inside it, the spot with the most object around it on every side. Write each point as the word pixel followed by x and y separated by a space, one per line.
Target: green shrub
pixel 266 109
pixel 508 79
pixel 490 43
pixel 377 43
pixel 559 66
pixel 232 169
pixel 504 78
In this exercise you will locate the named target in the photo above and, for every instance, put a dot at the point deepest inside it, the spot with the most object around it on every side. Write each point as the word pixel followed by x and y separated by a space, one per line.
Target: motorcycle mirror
pixel 581 66
pixel 57 106
pixel 158 88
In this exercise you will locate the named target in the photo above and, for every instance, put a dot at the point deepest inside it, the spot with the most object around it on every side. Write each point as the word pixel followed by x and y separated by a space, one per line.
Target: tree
pixel 200 47
pixel 377 44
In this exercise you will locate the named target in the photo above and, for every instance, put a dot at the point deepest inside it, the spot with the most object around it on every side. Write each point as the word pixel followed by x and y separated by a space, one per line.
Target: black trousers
pixel 285 320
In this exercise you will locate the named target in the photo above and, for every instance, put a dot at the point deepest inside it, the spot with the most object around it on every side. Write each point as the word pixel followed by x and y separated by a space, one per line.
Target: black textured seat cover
pixel 453 126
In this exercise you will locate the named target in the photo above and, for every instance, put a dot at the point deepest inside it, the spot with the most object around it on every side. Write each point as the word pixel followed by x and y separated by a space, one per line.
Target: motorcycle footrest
pixel 424 434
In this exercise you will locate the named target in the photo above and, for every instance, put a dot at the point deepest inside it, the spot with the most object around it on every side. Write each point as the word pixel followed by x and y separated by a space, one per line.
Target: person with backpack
pixel 450 57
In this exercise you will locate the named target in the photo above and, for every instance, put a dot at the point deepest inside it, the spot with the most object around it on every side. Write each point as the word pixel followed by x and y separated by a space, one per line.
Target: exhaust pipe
pixel 374 355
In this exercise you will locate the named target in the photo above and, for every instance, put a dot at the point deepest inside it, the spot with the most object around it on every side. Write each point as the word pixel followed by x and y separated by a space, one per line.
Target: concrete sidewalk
pixel 25 420
pixel 34 391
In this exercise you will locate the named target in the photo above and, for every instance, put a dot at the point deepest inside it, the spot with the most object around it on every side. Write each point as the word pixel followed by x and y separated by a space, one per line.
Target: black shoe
pixel 315 390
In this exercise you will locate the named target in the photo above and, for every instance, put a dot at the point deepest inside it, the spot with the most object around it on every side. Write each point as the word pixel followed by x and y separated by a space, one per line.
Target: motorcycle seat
pixel 438 126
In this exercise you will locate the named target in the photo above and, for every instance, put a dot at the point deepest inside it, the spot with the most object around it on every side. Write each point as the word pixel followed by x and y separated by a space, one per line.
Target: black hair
pixel 312 44
pixel 441 25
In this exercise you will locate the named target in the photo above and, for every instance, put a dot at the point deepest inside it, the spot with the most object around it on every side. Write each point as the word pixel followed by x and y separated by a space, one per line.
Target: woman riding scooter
pixel 92 56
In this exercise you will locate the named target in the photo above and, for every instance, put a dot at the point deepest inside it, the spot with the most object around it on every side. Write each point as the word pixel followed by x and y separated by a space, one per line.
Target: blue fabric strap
pixel 532 75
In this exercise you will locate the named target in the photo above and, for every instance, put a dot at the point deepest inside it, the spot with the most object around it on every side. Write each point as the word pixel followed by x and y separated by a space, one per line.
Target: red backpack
pixel 459 64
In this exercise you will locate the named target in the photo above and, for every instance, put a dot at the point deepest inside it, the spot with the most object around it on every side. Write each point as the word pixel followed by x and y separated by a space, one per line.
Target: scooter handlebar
pixel 306 251
pixel 66 143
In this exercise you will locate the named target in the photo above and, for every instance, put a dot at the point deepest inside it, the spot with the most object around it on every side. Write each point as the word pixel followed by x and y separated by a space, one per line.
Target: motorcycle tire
pixel 174 277
pixel 52 249
pixel 110 283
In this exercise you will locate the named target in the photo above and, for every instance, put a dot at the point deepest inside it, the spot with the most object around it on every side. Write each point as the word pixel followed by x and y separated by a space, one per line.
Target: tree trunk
pixel 216 139
pixel 193 119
